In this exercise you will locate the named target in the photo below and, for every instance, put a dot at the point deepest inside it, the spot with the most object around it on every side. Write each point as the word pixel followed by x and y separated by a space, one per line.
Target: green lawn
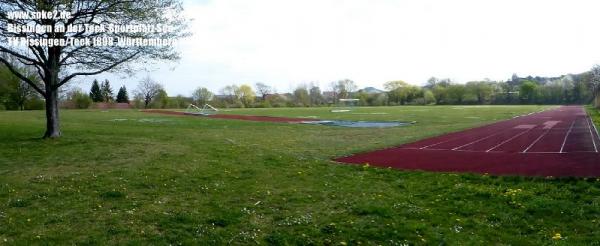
pixel 126 177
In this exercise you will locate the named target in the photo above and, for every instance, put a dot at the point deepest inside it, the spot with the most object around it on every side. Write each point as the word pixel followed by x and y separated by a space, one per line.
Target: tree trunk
pixel 52 119
pixel 51 93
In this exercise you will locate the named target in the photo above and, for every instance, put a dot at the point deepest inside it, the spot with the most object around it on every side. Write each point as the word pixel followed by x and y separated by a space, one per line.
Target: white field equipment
pixel 347 104
pixel 206 110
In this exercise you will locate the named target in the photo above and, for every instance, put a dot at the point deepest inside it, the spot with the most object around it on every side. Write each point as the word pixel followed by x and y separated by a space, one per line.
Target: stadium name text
pixel 38 15
pixel 88 28
pixel 98 41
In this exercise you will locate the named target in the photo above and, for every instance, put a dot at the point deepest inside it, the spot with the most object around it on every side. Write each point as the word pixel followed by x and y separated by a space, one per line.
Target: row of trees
pixel 99 93
pixel 15 94
pixel 568 89
pixel 104 93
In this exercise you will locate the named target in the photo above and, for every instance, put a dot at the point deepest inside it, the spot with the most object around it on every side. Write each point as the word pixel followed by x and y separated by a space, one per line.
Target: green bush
pixel 419 101
pixel 35 104
pixel 81 100
pixel 139 104
pixel 265 104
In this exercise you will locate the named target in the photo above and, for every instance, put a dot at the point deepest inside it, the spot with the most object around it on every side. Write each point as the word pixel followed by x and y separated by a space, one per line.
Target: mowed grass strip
pixel 126 177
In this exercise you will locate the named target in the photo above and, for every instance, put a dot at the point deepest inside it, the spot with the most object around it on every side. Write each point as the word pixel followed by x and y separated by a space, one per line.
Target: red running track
pixel 561 142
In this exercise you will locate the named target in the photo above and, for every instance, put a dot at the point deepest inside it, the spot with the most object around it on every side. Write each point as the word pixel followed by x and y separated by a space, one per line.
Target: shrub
pixel 35 104
pixel 262 104
pixel 81 100
pixel 236 104
pixel 419 101
pixel 429 97
pixel 137 103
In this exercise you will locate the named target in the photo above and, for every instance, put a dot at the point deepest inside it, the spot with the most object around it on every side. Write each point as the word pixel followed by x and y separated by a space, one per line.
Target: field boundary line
pixel 567 136
pixel 486 126
pixel 431 145
pixel 546 152
pixel 597 134
pixel 508 140
pixel 458 137
pixel 592 135
pixel 536 140
pixel 481 139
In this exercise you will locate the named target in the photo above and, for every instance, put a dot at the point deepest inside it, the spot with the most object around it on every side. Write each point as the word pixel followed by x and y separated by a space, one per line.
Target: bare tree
pixel 263 90
pixel 334 91
pixel 343 88
pixel 148 90
pixel 23 93
pixel 230 93
pixel 57 65
pixel 431 83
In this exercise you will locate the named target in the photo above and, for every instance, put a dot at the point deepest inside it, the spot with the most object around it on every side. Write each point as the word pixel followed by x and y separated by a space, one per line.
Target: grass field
pixel 126 177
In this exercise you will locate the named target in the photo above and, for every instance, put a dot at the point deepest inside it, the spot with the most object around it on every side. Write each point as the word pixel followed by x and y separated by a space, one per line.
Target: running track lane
pixel 561 142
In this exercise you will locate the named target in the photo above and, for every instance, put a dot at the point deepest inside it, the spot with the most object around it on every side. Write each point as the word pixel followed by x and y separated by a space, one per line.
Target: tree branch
pixel 66 79
pixel 15 54
pixel 21 76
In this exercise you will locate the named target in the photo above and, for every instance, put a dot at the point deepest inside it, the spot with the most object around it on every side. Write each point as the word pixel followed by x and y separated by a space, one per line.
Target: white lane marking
pixel 508 140
pixel 547 125
pixel 496 123
pixel 571 152
pixel 541 152
pixel 431 145
pixel 535 141
pixel 567 136
pixel 597 134
pixel 550 124
pixel 452 139
pixel 524 126
pixel 481 139
pixel 592 135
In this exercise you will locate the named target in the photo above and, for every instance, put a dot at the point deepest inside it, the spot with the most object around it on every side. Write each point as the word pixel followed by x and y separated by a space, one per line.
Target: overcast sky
pixel 284 42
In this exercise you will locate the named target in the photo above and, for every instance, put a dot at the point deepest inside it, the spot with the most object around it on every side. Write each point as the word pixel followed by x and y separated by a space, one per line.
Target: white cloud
pixel 373 41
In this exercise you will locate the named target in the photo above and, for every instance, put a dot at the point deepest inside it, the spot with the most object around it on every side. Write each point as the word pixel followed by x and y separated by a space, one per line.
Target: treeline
pixel 151 94
pixel 99 93
pixel 567 89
